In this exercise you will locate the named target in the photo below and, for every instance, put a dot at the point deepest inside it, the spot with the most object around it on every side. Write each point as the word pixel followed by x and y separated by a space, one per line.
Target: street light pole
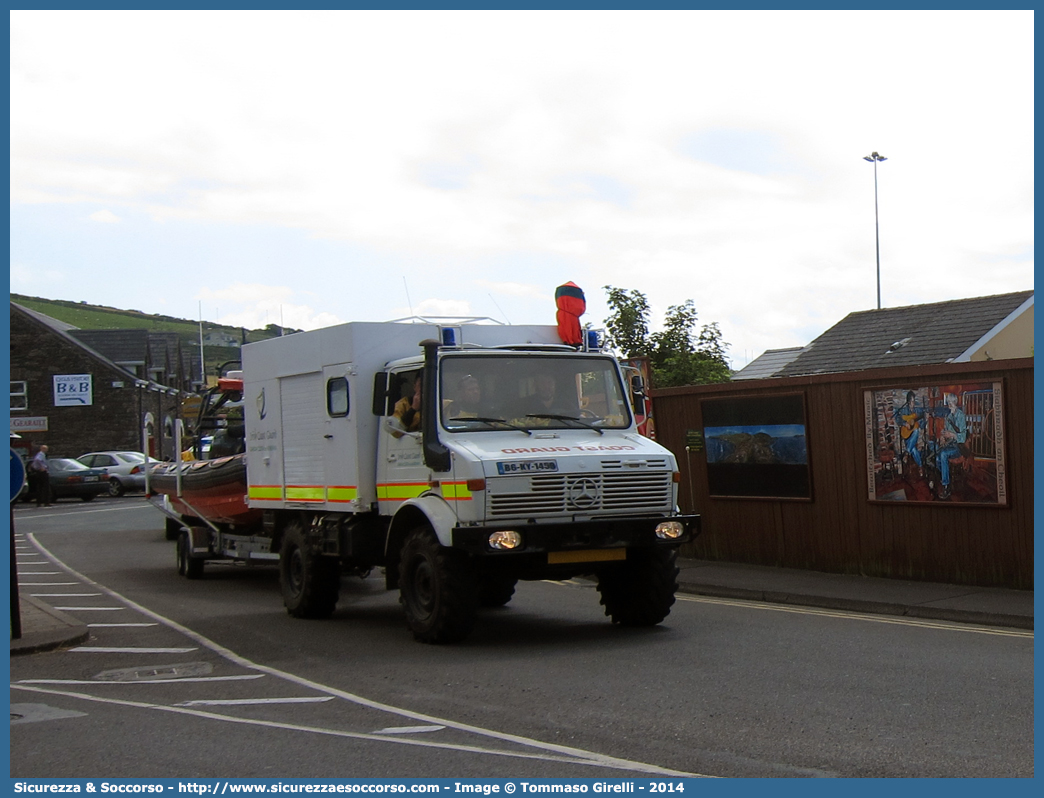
pixel 875 157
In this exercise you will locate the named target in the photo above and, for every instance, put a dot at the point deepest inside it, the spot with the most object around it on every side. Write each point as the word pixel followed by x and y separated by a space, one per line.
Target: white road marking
pixel 571 756
pixel 548 751
pixel 111 625
pixel 63 595
pixel 132 650
pixel 243 702
pixel 45 584
pixel 239 678
pixel 409 729
pixel 90 609
pixel 33 516
pixel 39 573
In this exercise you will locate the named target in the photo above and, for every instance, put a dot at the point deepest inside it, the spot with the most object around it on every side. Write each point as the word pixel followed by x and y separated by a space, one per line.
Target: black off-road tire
pixel 437 589
pixel 640 591
pixel 496 591
pixel 310 583
pixel 188 567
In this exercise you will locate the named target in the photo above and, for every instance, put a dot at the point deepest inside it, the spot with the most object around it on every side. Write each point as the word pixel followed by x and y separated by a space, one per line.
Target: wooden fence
pixel 859 503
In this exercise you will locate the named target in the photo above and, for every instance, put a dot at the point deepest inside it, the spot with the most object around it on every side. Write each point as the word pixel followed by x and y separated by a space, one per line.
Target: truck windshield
pixel 504 391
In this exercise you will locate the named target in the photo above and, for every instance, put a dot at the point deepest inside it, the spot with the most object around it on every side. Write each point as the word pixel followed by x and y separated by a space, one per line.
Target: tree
pixel 678 355
pixel 628 325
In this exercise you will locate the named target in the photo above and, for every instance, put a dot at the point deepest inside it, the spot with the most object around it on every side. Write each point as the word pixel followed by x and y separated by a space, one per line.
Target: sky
pixel 312 168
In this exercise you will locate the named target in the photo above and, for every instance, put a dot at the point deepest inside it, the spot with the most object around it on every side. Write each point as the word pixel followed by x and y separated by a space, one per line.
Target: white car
pixel 126 470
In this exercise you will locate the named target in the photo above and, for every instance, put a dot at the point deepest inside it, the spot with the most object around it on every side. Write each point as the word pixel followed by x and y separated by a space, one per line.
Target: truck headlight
pixel 670 530
pixel 505 540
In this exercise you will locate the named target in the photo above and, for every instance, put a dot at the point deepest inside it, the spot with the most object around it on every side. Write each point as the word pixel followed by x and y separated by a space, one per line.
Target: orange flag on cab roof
pixel 571 306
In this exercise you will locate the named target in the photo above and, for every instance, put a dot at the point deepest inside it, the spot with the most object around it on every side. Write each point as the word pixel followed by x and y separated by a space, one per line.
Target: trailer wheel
pixel 640 591
pixel 188 567
pixel 437 589
pixel 496 591
pixel 309 582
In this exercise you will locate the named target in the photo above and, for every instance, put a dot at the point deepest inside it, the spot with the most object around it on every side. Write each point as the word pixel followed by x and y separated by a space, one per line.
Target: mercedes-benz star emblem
pixel 583 493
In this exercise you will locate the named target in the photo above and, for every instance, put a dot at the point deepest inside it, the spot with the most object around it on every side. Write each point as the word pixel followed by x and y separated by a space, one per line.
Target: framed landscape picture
pixel 756 447
pixel 936 443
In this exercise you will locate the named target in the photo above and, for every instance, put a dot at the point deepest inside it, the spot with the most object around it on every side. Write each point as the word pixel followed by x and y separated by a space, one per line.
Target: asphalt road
pixel 211 678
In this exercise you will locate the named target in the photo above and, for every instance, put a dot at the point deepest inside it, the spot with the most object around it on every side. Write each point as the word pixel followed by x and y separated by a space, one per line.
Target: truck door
pixel 339 444
pixel 302 439
pixel 401 473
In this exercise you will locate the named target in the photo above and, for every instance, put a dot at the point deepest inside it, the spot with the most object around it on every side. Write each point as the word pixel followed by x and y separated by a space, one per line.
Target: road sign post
pixel 17 480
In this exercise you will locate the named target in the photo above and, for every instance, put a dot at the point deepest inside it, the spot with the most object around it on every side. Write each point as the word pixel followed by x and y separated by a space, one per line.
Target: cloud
pixel 687 154
pixel 516 289
pixel 105 217
pixel 26 279
pixel 433 307
pixel 254 305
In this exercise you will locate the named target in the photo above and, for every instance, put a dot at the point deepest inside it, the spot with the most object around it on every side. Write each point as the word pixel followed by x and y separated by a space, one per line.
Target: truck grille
pixel 583 493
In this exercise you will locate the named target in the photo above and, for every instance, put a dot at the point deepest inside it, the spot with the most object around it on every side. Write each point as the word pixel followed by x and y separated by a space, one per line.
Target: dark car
pixel 70 478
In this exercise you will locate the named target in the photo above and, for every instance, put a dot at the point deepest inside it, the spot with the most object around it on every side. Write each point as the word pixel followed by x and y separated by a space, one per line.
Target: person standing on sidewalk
pixel 39 478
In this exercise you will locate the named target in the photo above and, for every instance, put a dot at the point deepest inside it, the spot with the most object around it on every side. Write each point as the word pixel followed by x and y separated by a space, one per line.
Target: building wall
pixel 1015 340
pixel 113 421
pixel 839 529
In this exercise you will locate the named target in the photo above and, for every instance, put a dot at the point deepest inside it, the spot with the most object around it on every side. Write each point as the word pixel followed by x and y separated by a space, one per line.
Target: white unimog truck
pixel 460 459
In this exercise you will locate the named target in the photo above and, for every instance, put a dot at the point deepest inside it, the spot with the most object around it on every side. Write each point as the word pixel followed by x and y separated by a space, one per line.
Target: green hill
pixel 101 317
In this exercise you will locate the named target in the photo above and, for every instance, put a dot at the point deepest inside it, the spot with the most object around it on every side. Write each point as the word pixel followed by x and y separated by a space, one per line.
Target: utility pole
pixel 875 157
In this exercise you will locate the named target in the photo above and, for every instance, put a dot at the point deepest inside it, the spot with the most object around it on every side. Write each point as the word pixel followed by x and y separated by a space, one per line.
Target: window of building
pixel 19 395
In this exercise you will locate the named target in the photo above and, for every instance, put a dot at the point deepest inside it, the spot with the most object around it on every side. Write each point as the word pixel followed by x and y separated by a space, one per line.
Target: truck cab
pixel 525 461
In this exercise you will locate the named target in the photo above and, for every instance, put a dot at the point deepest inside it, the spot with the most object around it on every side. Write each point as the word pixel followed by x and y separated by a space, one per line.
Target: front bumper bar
pixel 606 533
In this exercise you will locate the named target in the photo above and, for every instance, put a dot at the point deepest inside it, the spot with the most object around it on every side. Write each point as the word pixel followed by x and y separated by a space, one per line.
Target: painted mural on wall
pixel 941 443
pixel 756 446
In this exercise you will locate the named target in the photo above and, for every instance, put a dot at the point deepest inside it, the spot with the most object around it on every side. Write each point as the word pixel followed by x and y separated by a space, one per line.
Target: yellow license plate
pixel 585 555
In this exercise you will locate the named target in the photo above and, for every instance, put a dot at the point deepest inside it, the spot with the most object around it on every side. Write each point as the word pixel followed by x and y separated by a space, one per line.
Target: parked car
pixel 72 478
pixel 126 470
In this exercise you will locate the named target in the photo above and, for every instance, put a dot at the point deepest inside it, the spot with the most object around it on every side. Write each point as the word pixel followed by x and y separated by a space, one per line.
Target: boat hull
pixel 212 489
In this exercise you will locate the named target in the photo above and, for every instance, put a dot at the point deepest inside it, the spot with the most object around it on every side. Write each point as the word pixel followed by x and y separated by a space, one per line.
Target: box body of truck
pixel 459 459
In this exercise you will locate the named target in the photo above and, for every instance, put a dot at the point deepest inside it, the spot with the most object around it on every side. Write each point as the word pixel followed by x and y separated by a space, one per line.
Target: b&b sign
pixel 72 390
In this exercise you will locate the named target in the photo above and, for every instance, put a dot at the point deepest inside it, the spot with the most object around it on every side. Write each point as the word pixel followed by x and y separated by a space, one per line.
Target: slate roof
pixel 941 332
pixel 127 348
pixel 119 346
pixel 54 324
pixel 63 330
pixel 767 363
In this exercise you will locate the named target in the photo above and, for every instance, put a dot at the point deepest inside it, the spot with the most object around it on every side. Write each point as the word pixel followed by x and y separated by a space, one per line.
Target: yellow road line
pixel 923 623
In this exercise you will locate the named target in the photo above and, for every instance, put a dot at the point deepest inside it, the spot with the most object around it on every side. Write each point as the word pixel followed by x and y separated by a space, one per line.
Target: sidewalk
pixel 961 603
pixel 44 627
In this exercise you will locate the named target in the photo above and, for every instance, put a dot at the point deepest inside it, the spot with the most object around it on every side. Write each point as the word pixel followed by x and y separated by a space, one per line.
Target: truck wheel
pixel 640 591
pixel 188 567
pixel 172 529
pixel 496 591
pixel 436 589
pixel 309 581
